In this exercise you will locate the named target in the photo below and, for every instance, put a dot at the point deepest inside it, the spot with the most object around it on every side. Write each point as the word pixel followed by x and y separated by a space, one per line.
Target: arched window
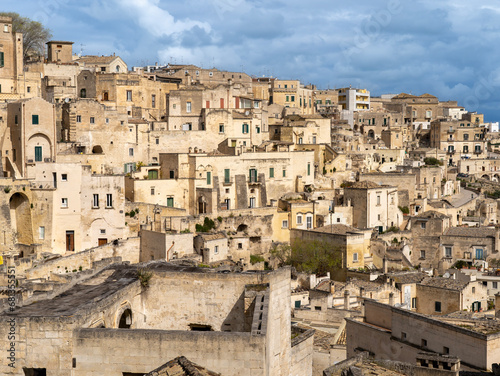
pixel 117 69
pixel 83 93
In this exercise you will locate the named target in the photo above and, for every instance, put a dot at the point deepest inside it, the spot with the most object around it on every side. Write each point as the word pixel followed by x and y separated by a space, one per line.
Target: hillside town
pixel 180 220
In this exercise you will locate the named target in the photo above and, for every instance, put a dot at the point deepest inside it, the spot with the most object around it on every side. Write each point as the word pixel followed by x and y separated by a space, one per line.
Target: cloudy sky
pixel 448 48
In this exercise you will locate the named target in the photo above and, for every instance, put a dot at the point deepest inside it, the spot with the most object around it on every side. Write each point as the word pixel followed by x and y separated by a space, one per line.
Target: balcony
pixel 228 182
pixel 450 151
pixel 254 181
pixel 478 151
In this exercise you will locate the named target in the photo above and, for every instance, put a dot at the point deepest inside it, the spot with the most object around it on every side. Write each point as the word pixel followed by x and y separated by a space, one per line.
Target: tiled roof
pixel 432 214
pixel 407 277
pixel 181 366
pixel 365 185
pixel 475 232
pixel 337 229
pixel 445 283
pixel 97 59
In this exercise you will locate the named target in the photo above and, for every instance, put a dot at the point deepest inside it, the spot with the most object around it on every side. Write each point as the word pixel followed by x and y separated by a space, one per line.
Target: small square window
pixel 64 203
pixel 422 254
pixel 92 120
pixel 284 224
pixel 107 121
pixel 240 245
pixel 103 231
pixel 34 119
pixel 424 342
pixel 131 152
pixel 423 225
pixel 64 177
pixel 78 118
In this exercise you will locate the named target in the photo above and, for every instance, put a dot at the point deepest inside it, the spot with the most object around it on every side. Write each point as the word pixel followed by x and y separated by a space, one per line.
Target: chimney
pixel 391 299
pixel 346 300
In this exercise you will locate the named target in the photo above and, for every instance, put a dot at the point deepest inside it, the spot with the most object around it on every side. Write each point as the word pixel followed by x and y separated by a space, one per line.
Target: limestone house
pixel 133 94
pixel 374 206
pixel 14 82
pixel 292 94
pixel 350 245
pixel 474 245
pixel 398 334
pixel 103 137
pixel 32 133
pixel 211 183
pixel 102 64
pixel 406 283
pixel 74 209
pixel 213 247
pixel 192 73
pixel 427 229
pixel 441 296
pixel 232 323
pixel 480 168
pixel 166 246
pixel 459 139
pixel 303 129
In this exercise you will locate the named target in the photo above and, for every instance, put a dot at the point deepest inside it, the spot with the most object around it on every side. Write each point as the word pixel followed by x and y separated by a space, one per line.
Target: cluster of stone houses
pixel 197 173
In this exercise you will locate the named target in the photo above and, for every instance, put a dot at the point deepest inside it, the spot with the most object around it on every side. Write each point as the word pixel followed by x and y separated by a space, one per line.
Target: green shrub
pixel 254 259
pixel 404 209
pixel 185 231
pixel 144 276
pixel 208 224
pixel 431 161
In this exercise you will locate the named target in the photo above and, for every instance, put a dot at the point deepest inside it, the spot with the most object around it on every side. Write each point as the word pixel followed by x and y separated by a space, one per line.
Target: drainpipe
pixel 172 246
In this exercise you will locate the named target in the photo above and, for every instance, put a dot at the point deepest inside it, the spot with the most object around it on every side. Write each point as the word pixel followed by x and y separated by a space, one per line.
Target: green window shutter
pixel 1 59
pixel 243 128
pixel 308 169
pixel 258 129
pixel 226 175
pixel 170 202
pixel 38 153
pixel 209 177
pixel 34 119
pixel 271 172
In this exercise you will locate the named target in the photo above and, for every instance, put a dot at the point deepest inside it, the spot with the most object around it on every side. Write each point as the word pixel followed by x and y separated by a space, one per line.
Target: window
pixel 252 202
pixel 64 203
pixel 466 136
pixel 284 173
pixel 413 302
pixel 16 120
pixel 38 153
pixel 216 249
pixel 309 222
pixel 437 306
pixel 355 257
pixel 157 141
pixel 284 224
pixel 293 98
pixel 28 89
pixel 447 251
pixel 257 129
pixel 109 200
pixel 424 342
pixel 227 176
pixel 209 177
pixel 34 119
pixel 271 172
pixel 300 140
pixel 403 335
pixel 107 121
pixel 41 232
pixel 495 285
pixel 422 254
pixel 446 350
pixel 1 59
pixel 423 225
pixel 252 175
pixel 473 290
pixel 64 177
pixel 299 219
pixel 95 201
pixel 188 106
pixel 78 118
pixel 170 202
pixel 131 152
pixel 221 128
pixel 153 101
pixel 152 191
pixel 103 69
pixel 6 28
pixel 92 120
pixel 244 128
pixel 314 139
pixel 378 200
pixel 308 169
pixel 129 95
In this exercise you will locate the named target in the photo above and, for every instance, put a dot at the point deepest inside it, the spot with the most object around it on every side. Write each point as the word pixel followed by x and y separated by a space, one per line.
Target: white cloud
pixel 156 20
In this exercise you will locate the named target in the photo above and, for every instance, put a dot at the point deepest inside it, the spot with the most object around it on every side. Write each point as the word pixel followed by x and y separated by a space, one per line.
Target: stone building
pixel 441 296
pixel 213 247
pixel 459 139
pixel 398 334
pixel 374 206
pixel 292 94
pixel 102 64
pixel 239 324
pixel 350 245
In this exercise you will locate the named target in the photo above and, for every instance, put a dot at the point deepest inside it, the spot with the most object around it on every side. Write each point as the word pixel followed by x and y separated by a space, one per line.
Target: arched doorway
pixel 371 133
pixel 83 93
pixel 202 205
pixel 97 149
pixel 125 319
pixel 20 218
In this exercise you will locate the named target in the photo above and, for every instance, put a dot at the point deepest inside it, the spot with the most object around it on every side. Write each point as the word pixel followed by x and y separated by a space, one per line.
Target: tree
pixel 35 35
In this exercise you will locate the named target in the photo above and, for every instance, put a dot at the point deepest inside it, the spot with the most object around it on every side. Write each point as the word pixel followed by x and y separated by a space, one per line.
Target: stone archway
pixel 125 321
pixel 20 218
